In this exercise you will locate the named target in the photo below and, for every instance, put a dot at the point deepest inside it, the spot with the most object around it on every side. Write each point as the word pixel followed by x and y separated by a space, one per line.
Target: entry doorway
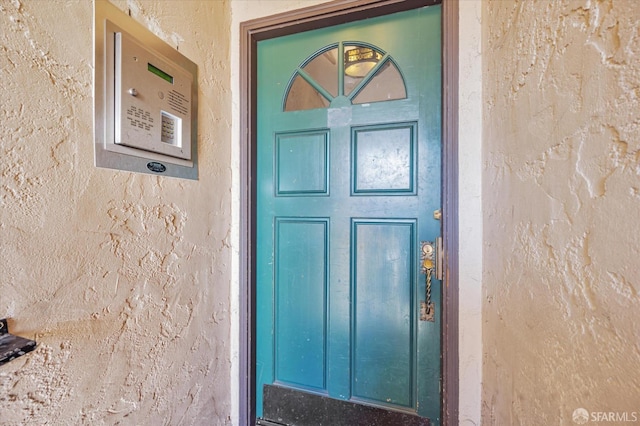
pixel 364 226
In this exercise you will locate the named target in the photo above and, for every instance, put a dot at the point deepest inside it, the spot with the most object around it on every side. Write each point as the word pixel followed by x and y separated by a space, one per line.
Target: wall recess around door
pixel 146 99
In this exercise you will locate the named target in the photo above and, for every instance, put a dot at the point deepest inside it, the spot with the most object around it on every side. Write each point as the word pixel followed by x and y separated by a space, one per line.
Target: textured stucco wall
pixel 561 210
pixel 122 278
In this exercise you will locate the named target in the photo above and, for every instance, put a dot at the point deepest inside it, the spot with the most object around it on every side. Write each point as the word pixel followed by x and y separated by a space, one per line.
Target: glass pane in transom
pixel 324 70
pixel 359 60
pixel 386 85
pixel 303 96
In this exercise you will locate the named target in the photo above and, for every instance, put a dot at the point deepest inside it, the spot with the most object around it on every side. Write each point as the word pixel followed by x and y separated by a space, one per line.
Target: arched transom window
pixel 360 72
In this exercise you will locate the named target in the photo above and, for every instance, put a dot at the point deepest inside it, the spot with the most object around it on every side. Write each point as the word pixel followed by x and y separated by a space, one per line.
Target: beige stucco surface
pixel 561 200
pixel 123 279
pixel 130 282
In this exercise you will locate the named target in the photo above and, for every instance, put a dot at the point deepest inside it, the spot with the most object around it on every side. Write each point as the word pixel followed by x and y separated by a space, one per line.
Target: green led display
pixel 157 71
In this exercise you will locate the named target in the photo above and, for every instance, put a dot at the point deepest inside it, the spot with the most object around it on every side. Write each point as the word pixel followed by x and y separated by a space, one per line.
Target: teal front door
pixel 348 178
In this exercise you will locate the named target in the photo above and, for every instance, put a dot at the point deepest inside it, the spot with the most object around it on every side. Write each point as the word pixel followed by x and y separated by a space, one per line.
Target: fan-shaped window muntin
pixel 325 76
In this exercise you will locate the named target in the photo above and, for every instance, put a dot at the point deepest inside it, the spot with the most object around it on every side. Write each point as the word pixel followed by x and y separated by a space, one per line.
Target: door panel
pixel 384 160
pixel 300 328
pixel 301 163
pixel 383 333
pixel 347 182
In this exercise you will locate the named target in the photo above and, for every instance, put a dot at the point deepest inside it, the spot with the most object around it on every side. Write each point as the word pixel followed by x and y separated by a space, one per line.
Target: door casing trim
pixel 319 16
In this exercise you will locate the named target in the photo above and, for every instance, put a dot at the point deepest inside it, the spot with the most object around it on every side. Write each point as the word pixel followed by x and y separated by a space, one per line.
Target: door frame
pixel 314 17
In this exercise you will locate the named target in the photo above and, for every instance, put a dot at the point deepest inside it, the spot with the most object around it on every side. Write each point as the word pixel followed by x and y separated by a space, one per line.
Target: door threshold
pixel 292 407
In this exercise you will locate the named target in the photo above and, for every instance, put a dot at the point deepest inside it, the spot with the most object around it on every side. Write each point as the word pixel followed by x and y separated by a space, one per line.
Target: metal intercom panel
pixel 145 99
